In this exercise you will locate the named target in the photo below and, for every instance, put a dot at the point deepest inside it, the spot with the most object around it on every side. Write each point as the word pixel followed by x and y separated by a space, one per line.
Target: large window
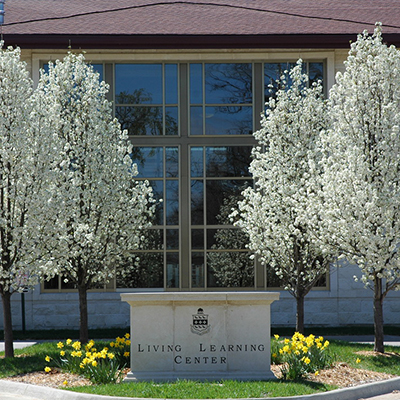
pixel 191 126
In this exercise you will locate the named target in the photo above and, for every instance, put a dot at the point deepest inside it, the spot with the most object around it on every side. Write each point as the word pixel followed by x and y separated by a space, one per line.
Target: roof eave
pixel 64 41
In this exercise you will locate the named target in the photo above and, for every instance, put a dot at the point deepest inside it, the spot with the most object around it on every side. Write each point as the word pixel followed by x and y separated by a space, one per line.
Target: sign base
pixel 200 335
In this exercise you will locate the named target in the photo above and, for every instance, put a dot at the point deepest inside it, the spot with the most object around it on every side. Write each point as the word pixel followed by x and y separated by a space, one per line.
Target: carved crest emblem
pixel 200 323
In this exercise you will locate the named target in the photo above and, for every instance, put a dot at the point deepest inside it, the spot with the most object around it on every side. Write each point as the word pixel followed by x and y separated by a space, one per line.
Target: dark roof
pixel 196 23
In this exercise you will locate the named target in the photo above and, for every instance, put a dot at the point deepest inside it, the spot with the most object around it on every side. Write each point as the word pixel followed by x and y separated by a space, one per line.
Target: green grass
pixel 348 352
pixel 32 359
pixel 207 390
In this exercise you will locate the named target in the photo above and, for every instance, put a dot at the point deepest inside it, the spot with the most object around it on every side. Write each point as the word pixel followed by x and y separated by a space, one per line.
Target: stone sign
pixel 200 335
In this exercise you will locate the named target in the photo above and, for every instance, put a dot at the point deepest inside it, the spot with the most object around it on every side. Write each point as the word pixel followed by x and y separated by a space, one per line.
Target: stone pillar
pixel 200 335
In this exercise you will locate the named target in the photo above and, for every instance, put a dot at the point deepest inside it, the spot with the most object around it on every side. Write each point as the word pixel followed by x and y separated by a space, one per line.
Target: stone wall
pixel 346 302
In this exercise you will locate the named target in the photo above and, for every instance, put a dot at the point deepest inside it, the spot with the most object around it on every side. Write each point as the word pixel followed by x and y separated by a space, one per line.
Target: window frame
pixel 183 140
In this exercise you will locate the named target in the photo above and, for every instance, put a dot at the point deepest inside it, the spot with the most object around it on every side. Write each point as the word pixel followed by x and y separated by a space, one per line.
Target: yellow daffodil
pixel 47 369
pixel 76 345
pixel 60 345
pixel 47 358
pixel 306 360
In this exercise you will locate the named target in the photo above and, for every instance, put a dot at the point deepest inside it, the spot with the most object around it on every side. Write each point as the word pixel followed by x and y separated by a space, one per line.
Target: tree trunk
pixel 300 314
pixel 83 314
pixel 378 315
pixel 8 330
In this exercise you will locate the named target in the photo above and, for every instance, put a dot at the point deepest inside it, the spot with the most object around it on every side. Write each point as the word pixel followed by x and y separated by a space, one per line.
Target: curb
pixel 353 393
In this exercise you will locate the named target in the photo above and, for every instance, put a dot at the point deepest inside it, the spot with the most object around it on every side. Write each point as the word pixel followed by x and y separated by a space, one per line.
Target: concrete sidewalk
pixel 19 344
pixel 384 390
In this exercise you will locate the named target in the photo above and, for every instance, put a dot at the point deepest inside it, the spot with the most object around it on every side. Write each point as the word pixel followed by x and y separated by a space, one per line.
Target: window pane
pixel 273 280
pixel 67 285
pixel 198 239
pixel 316 72
pixel 229 120
pixel 197 202
pixel 171 121
pixel 196 162
pixel 222 196
pixel 273 72
pixel 196 84
pixel 196 120
pixel 228 83
pixel 172 239
pixel 141 121
pixel 173 270
pixel 158 194
pixel 171 162
pixel 138 83
pixel 51 284
pixel 146 272
pixel 153 239
pixel 230 269
pixel 171 84
pixel 226 239
pixel 149 161
pixel 198 270
pixel 172 202
pixel 228 161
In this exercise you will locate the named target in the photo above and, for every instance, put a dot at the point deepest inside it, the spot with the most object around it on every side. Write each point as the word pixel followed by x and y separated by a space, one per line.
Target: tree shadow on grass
pixel 21 365
pixel 317 386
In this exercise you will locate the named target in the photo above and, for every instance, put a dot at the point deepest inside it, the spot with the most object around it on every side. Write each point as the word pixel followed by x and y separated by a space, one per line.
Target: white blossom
pixel 362 164
pixel 276 214
pixel 26 211
pixel 102 208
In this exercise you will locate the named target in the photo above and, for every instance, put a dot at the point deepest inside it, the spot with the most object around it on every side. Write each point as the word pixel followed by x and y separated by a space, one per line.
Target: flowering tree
pixel 102 209
pixel 275 213
pixel 362 180
pixel 25 213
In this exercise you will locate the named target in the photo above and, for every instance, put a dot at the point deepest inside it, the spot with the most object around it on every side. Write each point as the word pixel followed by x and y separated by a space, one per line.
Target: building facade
pixel 189 81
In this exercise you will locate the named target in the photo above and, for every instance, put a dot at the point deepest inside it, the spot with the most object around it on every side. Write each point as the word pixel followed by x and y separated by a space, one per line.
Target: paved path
pixel 10 396
pixel 18 345
pixel 389 396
